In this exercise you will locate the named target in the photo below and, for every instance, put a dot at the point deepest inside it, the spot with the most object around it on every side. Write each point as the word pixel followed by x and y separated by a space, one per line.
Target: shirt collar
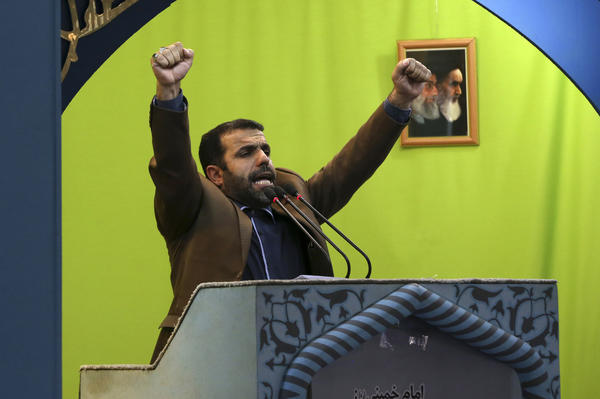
pixel 267 209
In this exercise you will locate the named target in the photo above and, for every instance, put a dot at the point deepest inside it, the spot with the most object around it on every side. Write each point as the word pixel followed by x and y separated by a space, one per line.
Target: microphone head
pixel 279 191
pixel 270 193
pixel 290 189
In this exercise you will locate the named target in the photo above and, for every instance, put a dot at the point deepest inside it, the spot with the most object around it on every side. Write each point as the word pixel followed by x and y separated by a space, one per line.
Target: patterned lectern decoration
pixel 514 323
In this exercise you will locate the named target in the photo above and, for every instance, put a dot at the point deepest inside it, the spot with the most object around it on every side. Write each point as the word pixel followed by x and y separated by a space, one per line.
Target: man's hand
pixel 170 64
pixel 409 76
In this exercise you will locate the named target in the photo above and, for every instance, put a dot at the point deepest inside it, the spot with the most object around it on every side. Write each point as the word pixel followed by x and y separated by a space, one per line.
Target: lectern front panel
pixel 414 360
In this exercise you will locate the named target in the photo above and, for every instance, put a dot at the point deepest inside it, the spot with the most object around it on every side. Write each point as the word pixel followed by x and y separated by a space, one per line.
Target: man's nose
pixel 263 158
pixel 458 91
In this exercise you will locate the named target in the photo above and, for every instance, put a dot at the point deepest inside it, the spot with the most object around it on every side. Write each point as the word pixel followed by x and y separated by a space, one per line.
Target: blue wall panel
pixel 30 294
pixel 566 31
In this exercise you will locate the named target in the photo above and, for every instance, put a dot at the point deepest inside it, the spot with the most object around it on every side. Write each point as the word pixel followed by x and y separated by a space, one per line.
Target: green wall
pixel 521 205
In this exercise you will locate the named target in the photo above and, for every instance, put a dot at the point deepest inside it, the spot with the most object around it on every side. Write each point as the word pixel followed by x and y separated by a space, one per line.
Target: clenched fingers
pixel 169 56
pixel 414 70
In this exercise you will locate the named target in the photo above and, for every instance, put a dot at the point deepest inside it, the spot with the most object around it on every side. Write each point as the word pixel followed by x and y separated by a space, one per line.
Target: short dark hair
pixel 211 150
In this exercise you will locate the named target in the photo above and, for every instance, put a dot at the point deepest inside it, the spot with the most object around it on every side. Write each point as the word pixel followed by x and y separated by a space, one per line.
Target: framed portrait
pixel 445 113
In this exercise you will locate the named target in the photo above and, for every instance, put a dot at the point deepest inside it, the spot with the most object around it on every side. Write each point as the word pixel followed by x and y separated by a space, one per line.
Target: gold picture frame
pixel 446 111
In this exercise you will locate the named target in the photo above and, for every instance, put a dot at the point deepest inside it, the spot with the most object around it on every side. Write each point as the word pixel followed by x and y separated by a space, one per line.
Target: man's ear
pixel 215 175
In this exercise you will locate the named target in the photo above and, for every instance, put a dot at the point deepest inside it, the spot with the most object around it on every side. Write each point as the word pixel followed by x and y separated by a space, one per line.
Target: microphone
pixel 270 193
pixel 281 193
pixel 290 189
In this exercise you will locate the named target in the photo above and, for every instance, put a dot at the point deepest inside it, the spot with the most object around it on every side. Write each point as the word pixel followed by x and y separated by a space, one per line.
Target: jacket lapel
pixel 245 235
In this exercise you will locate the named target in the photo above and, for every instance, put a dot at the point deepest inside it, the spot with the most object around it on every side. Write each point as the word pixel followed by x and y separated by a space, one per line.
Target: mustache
pixel 264 171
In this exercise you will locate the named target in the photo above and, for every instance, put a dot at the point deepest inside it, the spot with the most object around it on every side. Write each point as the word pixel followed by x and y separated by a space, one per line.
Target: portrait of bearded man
pixel 441 108
pixel 445 111
pixel 425 110
pixel 451 102
pixel 425 105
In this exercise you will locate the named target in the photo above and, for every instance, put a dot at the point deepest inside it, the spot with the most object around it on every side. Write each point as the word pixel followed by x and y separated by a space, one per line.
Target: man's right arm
pixel 173 170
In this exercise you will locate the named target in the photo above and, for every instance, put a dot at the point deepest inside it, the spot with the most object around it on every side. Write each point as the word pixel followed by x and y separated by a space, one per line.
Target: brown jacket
pixel 207 236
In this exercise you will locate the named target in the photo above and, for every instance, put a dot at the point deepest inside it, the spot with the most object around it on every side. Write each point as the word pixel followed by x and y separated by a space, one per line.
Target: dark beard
pixel 241 189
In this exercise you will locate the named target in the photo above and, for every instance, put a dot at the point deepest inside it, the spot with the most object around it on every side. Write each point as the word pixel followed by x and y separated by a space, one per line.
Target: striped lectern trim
pixel 416 300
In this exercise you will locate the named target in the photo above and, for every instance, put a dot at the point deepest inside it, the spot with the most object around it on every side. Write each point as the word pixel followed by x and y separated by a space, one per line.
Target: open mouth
pixel 262 180
pixel 262 183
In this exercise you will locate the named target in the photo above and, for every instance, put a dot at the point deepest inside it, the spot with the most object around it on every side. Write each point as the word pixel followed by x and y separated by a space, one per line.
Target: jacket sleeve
pixel 333 186
pixel 178 194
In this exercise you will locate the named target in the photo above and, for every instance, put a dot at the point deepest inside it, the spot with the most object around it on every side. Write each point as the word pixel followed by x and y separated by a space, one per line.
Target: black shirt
pixel 277 247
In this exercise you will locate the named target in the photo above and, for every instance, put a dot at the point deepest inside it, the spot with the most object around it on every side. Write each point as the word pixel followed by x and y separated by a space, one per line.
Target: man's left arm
pixel 332 187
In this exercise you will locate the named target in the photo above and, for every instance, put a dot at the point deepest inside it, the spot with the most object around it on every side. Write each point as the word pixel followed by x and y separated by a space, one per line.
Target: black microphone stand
pixel 292 191
pixel 273 196
pixel 316 228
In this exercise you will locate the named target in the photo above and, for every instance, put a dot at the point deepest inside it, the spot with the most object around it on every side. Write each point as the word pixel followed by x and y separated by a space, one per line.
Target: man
pixel 448 101
pixel 222 228
pixel 425 110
